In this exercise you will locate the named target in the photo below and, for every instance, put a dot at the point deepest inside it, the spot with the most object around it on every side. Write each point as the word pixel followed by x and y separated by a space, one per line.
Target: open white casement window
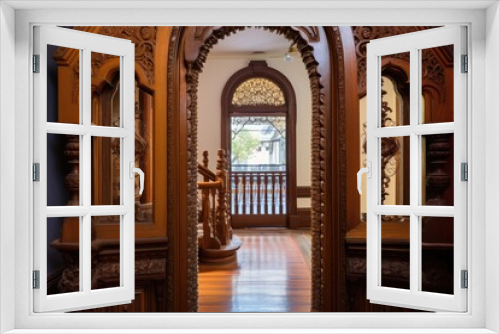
pixel 85 130
pixel 414 133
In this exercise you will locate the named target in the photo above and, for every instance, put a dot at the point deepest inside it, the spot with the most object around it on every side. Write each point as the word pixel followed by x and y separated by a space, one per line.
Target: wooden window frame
pixel 260 69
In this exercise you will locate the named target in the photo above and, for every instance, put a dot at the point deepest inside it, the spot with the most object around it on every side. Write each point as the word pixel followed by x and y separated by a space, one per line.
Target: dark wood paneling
pixel 150 272
pixel 303 192
pixel 255 220
pixel 302 219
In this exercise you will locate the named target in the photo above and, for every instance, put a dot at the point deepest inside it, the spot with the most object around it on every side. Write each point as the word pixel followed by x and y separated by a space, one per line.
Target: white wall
pixel 7 167
pixel 216 72
pixel 490 168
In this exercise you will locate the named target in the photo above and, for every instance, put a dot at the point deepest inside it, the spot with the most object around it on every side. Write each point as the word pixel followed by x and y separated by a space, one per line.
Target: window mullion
pixel 415 168
pixel 86 165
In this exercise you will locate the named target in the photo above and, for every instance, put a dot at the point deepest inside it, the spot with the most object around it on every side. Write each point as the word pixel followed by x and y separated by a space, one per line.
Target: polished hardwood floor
pixel 271 274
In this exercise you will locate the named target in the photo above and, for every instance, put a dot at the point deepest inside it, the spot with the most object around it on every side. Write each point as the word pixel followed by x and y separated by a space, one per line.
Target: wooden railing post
pixel 217 243
pixel 221 221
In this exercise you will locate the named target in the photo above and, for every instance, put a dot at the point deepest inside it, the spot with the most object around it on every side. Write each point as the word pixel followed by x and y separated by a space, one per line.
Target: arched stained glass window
pixel 258 92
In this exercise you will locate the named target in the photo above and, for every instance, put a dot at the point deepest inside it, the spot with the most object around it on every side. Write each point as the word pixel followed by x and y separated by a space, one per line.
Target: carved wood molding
pixel 108 267
pixel 172 100
pixel 434 60
pixel 144 39
pixel 196 52
pixel 309 33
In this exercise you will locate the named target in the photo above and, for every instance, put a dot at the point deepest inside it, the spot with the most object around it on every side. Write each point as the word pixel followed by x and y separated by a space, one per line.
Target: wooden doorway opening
pixel 264 184
pixel 321 49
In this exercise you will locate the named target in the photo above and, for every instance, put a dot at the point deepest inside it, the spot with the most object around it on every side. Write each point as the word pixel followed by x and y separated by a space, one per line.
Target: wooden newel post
pixel 222 221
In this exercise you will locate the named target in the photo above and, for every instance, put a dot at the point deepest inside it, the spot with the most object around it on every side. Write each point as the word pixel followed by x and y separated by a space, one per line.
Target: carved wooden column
pixel 438 151
pixel 69 281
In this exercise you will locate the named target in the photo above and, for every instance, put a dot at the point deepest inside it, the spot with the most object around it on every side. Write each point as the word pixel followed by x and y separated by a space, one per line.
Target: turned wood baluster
pixel 72 182
pixel 205 164
pixel 205 217
pixel 205 208
pixel 281 193
pixel 244 190
pixel 213 202
pixel 266 192
pixel 259 183
pixel 236 180
pixel 273 180
pixel 221 221
pixel 437 180
pixel 250 175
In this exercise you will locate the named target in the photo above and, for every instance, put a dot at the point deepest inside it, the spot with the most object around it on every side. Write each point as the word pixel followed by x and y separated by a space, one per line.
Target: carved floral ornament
pixel 258 92
pixel 144 39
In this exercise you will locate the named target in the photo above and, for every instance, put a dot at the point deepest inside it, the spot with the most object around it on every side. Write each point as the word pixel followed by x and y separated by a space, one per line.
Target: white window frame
pixel 414 43
pixel 483 99
pixel 86 297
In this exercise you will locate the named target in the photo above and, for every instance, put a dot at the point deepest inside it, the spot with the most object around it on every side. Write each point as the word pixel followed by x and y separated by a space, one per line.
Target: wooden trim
pixel 303 192
pixel 302 219
pixel 241 221
pixel 260 69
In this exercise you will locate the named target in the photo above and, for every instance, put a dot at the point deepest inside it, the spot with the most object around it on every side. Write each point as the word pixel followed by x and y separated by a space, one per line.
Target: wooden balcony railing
pixel 216 242
pixel 256 192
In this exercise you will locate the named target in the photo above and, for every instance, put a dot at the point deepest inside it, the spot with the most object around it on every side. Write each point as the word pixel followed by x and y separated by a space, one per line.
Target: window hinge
pixel 36 172
pixel 465 64
pixel 36 279
pixel 465 279
pixel 36 63
pixel 464 172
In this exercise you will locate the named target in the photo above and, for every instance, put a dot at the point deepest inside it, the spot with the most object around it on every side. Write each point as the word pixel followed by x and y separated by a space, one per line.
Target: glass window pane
pixel 63 273
pixel 437 254
pixel 106 97
pixel 395 173
pixel 106 177
pixel 258 143
pixel 106 252
pixel 395 90
pixel 63 170
pixel 437 170
pixel 63 90
pixel 437 84
pixel 395 256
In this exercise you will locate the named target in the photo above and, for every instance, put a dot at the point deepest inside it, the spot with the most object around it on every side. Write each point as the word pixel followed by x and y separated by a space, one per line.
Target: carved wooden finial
pixel 205 159
pixel 220 160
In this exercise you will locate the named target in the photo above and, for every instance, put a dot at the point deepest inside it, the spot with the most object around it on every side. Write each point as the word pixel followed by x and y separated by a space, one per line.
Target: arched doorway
pixel 322 53
pixel 275 178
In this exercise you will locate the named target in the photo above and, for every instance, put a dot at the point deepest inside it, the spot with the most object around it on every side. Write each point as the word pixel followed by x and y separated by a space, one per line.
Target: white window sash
pixel 414 297
pixel 86 297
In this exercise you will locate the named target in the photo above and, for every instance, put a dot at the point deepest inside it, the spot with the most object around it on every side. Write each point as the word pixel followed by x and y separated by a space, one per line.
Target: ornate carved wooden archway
pixel 322 54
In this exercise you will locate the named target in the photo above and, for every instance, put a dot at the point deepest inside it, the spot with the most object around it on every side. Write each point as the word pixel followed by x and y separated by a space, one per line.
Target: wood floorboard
pixel 271 274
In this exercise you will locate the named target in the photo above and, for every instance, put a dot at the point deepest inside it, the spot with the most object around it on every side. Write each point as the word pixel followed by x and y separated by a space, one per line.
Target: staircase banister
pixel 209 185
pixel 204 171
